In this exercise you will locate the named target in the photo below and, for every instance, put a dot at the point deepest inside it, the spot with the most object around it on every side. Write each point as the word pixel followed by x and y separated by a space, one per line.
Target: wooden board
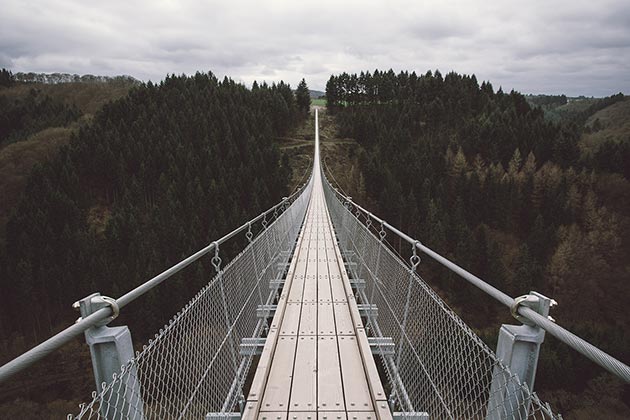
pixel 291 319
pixel 304 386
pixel 374 382
pixel 343 320
pixel 361 415
pixel 329 383
pixel 331 415
pixel 324 293
pixel 308 319
pixel 276 395
pixel 382 410
pixel 302 415
pixel 272 415
pixel 310 288
pixel 325 319
pixel 297 287
pixel 338 291
pixel 356 390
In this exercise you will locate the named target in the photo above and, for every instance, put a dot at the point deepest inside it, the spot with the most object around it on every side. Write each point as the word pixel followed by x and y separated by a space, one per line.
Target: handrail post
pixel 110 349
pixel 518 347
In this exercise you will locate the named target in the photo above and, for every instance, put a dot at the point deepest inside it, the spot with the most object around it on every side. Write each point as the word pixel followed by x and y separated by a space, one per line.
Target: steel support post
pixel 111 348
pixel 518 348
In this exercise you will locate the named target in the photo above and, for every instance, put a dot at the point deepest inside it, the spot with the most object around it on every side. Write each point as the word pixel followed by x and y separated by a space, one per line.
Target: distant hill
pixel 315 94
pixel 56 78
pixel 603 125
pixel 559 108
pixel 609 124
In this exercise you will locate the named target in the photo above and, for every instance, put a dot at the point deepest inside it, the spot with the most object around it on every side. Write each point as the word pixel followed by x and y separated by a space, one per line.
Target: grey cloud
pixel 570 46
pixel 5 61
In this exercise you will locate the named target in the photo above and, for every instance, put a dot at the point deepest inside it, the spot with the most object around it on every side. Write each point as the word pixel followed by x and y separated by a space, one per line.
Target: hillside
pixel 315 94
pixel 34 145
pixel 602 125
pixel 609 124
pixel 562 109
pixel 87 97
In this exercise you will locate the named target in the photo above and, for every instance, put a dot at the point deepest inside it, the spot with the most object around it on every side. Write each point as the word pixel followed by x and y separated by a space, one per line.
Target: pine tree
pixel 6 78
pixel 333 99
pixel 303 98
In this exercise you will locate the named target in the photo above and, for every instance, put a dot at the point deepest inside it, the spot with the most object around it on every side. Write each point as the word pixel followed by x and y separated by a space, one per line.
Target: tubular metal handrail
pixel 603 359
pixel 63 337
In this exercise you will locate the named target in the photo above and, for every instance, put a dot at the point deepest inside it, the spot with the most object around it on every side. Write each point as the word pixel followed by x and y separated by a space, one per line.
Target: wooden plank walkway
pixel 317 363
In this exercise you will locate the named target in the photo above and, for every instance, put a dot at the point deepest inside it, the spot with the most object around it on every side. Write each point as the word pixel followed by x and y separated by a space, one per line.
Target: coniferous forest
pixel 483 178
pixel 156 176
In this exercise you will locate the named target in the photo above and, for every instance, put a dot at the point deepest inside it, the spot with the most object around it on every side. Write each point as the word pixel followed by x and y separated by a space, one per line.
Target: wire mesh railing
pixel 194 366
pixel 440 366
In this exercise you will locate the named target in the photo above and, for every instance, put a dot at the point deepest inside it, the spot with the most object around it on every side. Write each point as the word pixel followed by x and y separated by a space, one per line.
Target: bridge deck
pixel 316 363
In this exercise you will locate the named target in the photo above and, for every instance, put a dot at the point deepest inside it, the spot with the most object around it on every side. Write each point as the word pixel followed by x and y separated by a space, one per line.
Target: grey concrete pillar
pixel 518 348
pixel 111 348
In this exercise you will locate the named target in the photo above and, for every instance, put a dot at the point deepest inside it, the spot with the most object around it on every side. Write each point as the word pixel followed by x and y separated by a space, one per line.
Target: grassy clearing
pixel 298 145
pixel 340 158
pixel 575 105
pixel 339 155
pixel 615 123
pixel 318 102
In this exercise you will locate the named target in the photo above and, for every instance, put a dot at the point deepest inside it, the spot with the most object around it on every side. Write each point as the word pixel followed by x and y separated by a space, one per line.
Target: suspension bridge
pixel 317 318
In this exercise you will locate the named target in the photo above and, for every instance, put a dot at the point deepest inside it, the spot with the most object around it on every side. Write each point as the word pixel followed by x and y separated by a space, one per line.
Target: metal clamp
pixel 90 304
pixel 536 302
pixel 114 305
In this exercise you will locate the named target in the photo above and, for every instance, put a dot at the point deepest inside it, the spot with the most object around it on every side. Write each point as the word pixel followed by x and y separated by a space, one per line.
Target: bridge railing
pixel 439 366
pixel 194 364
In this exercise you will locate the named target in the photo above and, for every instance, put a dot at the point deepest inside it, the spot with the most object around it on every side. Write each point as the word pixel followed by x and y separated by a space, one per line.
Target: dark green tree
pixel 303 98
pixel 6 78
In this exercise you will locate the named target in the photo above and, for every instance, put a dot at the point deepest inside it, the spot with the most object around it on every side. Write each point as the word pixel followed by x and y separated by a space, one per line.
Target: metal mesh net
pixel 440 366
pixel 193 366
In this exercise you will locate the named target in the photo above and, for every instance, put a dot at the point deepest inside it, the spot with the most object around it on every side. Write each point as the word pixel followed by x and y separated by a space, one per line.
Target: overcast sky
pixel 574 47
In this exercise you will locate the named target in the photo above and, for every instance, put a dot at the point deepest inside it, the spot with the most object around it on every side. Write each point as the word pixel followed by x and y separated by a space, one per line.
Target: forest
pixel 482 177
pixel 155 176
